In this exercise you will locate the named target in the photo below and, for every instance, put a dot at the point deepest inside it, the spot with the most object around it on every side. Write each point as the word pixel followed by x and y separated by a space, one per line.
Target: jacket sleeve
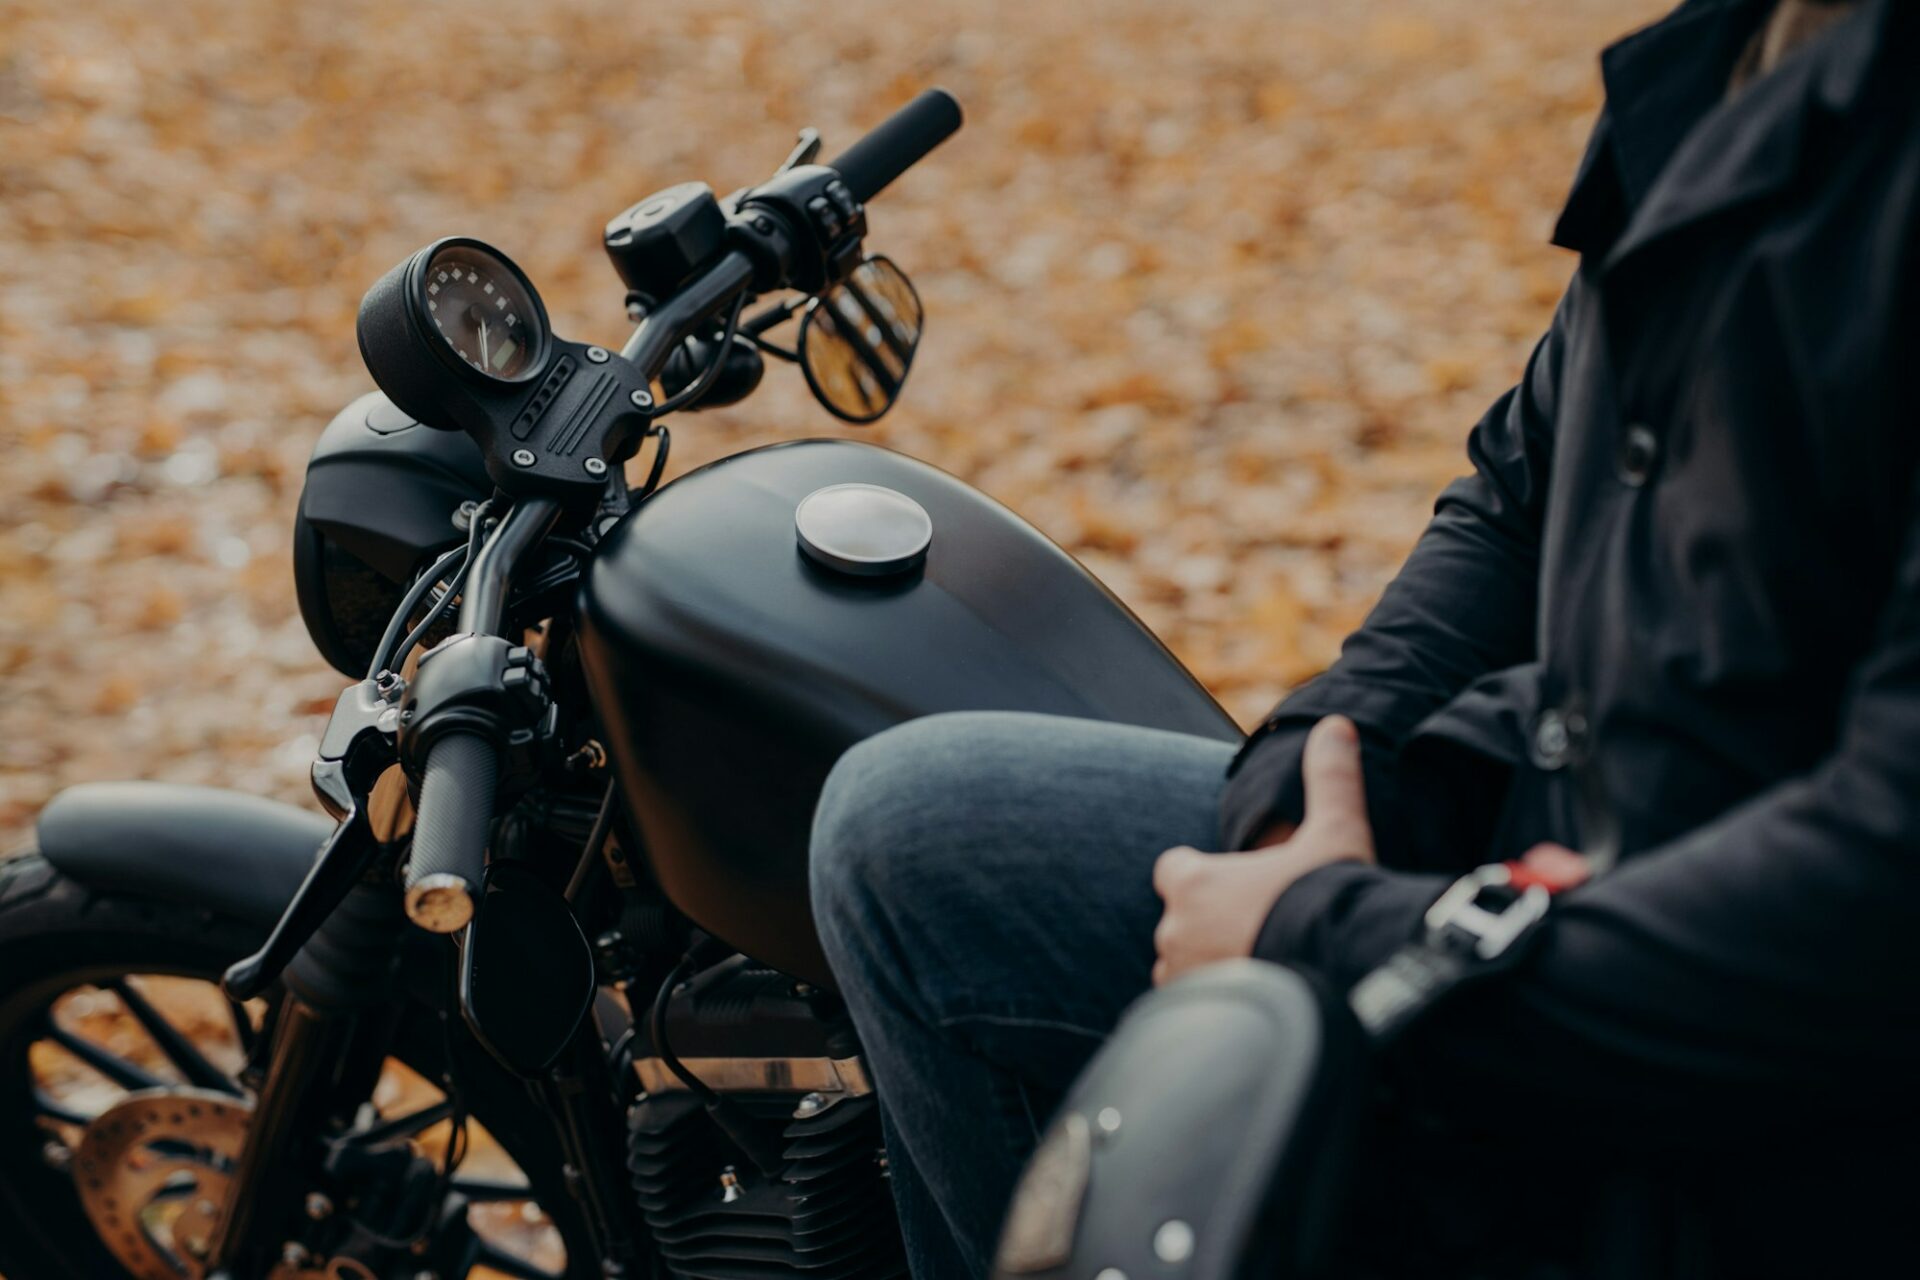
pixel 1462 605
pixel 1760 966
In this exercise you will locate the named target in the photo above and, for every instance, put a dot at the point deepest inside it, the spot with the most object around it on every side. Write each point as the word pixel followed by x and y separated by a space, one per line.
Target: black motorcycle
pixel 563 878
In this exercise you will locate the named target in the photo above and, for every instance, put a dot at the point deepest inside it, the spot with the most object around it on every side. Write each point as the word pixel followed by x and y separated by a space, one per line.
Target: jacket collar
pixel 1670 150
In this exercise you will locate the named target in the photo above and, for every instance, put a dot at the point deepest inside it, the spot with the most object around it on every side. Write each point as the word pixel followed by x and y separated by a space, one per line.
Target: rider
pixel 1673 614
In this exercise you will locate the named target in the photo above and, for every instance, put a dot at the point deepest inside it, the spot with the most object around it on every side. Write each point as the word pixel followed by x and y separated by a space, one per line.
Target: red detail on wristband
pixel 1554 870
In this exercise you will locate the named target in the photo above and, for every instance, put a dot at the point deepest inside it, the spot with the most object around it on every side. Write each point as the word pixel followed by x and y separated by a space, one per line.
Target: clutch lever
pixel 805 150
pixel 356 750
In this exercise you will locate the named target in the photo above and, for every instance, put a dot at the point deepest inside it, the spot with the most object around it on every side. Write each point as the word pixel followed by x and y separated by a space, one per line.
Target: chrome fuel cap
pixel 863 529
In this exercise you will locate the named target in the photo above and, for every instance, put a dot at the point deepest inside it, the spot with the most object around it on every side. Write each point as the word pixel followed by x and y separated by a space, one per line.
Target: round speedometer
pixel 484 310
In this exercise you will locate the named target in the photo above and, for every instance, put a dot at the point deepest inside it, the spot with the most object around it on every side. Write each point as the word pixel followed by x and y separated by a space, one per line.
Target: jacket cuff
pixel 1264 785
pixel 1346 918
pixel 1263 781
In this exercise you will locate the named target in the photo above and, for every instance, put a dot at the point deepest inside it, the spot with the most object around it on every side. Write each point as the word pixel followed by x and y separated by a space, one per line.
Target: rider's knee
pixel 859 824
pixel 875 813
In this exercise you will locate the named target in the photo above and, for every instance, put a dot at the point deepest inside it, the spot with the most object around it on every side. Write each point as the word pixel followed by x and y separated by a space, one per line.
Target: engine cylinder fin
pixel 829 1216
pixel 831 1121
pixel 828 1210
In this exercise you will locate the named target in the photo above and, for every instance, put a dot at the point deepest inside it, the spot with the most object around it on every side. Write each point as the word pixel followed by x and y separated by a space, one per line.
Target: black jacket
pixel 1684 581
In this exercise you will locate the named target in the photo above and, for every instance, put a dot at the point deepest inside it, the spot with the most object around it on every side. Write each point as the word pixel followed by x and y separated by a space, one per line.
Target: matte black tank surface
pixel 732 669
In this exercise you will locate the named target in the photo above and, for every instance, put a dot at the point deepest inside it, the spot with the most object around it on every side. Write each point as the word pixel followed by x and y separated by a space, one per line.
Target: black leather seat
pixel 237 855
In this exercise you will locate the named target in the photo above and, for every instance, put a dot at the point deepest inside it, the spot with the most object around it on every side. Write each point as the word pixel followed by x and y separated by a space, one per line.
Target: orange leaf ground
pixel 1214 291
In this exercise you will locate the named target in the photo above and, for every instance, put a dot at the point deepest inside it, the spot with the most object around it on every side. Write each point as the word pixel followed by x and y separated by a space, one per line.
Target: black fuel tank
pixel 731 668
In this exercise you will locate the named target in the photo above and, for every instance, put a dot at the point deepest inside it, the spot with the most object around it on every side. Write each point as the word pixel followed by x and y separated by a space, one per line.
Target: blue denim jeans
pixel 983 885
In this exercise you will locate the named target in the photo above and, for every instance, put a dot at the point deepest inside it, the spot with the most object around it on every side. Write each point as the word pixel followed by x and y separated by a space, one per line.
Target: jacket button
pixel 1556 738
pixel 1638 450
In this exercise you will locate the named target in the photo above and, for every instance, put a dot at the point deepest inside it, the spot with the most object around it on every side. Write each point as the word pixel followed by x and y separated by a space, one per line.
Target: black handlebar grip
pixel 450 832
pixel 898 143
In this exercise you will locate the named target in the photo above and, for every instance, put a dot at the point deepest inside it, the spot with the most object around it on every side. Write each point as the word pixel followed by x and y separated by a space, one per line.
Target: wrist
pixel 1343 918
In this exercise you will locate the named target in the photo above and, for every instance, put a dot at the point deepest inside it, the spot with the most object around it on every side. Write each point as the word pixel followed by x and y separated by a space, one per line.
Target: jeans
pixel 983 887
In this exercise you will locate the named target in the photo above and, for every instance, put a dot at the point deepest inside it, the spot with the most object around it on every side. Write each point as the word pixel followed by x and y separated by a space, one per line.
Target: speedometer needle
pixel 485 360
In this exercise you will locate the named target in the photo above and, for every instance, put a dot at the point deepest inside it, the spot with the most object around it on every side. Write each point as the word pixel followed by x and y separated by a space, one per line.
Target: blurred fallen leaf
pixel 161 607
pixel 115 695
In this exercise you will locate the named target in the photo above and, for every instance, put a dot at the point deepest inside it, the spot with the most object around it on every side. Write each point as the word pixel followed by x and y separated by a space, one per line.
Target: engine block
pixel 713 1216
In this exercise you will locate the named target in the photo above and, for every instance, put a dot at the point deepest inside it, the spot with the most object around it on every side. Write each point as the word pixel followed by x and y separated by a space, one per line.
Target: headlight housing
pixel 380 502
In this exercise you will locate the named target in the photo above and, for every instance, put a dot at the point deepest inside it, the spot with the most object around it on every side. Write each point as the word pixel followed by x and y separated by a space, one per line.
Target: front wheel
pixel 120 1109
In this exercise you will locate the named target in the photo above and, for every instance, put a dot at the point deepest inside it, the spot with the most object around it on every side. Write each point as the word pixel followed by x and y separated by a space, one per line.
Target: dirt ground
pixel 1214 291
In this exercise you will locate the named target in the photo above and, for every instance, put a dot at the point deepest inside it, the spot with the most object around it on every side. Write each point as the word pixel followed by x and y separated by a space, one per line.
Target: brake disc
pixel 153 1174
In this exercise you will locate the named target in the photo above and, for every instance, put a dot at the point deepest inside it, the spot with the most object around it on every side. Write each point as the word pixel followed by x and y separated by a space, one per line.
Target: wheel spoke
pixel 242 1028
pixel 128 1075
pixel 53 1109
pixel 498 1259
pixel 489 1191
pixel 180 1051
pixel 405 1126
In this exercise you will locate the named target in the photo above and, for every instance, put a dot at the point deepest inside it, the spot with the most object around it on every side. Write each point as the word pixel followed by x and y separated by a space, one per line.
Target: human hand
pixel 1216 902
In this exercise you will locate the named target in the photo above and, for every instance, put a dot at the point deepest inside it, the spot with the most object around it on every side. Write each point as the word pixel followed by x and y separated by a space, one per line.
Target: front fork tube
pixel 318 1057
pixel 307 1049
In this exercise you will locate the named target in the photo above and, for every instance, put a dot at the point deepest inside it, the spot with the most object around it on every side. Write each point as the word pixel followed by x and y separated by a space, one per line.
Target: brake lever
pixel 342 860
pixel 356 750
pixel 804 151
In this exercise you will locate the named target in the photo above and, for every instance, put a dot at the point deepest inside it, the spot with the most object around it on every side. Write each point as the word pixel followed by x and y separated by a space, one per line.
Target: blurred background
pixel 1214 289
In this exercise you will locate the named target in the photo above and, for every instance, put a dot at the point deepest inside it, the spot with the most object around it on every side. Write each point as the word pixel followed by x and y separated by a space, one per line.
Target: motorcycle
pixel 561 879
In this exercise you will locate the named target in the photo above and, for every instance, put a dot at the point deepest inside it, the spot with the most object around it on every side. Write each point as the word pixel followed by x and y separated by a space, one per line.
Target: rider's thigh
pixel 1004 859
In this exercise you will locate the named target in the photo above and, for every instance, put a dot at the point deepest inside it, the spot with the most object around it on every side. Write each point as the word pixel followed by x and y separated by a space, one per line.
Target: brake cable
pixel 657 1026
pixel 476 531
pixel 447 564
pixel 661 448
pixel 596 842
pixel 769 1158
pixel 699 386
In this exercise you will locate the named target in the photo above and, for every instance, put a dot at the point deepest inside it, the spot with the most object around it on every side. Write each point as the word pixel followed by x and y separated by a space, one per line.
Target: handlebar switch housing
pixel 828 222
pixel 665 240
pixel 485 685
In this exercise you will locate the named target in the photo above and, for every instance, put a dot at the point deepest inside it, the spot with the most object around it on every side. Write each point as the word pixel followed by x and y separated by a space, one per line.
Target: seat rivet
pixel 1173 1242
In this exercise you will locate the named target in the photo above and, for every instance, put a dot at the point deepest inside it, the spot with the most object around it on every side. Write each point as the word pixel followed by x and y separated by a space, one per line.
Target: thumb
pixel 1336 793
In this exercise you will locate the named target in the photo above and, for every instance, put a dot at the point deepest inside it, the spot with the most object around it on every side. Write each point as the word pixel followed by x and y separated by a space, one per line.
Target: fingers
pixel 1172 868
pixel 1336 793
pixel 1164 938
pixel 1176 877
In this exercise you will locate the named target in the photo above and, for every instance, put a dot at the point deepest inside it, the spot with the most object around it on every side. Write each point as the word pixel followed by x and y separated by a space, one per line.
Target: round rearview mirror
pixel 858 338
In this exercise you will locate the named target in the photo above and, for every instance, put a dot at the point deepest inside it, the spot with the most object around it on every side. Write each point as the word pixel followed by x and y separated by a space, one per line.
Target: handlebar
pixel 679 317
pixel 898 143
pixel 483 596
pixel 815 224
pixel 450 832
pixel 461 772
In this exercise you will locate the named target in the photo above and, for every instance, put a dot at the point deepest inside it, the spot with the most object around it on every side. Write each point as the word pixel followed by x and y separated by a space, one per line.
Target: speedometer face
pixel 484 311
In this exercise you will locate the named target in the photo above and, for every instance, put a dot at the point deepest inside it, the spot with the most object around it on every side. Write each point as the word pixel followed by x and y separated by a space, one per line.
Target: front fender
pixel 237 855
